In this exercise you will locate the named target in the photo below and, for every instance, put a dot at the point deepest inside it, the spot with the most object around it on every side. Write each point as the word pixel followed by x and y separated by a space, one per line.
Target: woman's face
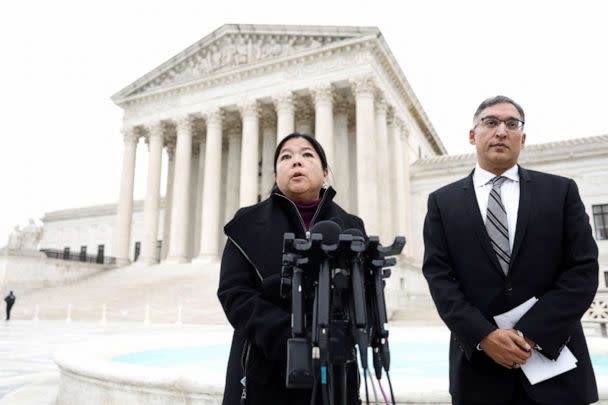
pixel 299 172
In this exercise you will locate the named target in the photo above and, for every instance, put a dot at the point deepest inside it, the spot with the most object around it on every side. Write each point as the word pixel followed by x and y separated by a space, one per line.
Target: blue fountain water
pixel 419 360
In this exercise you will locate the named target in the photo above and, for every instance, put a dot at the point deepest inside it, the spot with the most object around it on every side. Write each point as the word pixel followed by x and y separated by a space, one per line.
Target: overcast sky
pixel 62 60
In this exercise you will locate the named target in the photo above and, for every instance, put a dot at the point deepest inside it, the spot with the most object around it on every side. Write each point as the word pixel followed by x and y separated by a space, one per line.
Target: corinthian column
pixel 248 194
pixel 407 193
pixel 383 170
pixel 324 119
pixel 396 175
pixel 198 209
pixel 170 144
pixel 152 201
pixel 341 162
pixel 367 186
pixel 124 210
pixel 233 168
pixel 211 187
pixel 179 214
pixel 285 115
pixel 269 136
pixel 193 194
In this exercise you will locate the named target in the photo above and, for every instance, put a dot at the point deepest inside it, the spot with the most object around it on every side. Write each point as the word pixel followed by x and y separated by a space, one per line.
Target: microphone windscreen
pixel 329 229
pixel 356 233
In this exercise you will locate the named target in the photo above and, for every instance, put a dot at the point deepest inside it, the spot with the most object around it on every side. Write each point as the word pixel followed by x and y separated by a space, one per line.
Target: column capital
pixel 214 117
pixel 130 135
pixel 402 127
pixel 249 108
pixel 170 145
pixel 284 101
pixel 322 93
pixel 269 118
pixel 380 104
pixel 390 114
pixel 341 104
pixel 183 124
pixel 304 111
pixel 154 130
pixel 363 85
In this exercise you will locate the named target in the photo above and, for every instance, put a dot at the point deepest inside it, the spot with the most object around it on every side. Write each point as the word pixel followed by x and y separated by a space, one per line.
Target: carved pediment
pixel 235 47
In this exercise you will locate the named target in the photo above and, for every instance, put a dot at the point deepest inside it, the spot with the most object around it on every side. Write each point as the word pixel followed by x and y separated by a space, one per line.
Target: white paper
pixel 538 368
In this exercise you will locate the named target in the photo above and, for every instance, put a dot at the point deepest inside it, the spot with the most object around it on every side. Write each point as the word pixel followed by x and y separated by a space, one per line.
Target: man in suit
pixel 495 239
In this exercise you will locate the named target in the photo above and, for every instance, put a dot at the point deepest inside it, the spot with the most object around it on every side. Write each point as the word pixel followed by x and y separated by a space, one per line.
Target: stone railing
pixel 598 311
pixel 78 257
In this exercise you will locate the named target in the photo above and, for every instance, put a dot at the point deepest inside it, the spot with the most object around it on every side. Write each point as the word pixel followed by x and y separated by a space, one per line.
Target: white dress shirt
pixel 509 194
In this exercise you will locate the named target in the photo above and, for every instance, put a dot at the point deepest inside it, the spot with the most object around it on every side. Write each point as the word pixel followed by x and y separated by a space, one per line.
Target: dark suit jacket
pixel 554 258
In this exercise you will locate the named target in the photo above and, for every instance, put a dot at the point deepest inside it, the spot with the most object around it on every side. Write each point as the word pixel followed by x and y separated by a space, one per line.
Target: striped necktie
pixel 496 224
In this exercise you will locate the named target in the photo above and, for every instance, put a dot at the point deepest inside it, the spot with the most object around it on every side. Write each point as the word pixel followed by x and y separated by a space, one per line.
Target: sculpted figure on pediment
pixel 235 50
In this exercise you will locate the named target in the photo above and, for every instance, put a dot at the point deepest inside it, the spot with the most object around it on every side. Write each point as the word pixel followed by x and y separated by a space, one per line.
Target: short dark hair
pixel 315 144
pixel 489 102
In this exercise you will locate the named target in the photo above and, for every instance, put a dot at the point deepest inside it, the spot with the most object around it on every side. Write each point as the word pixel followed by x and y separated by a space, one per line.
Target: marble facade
pixel 212 115
pixel 219 108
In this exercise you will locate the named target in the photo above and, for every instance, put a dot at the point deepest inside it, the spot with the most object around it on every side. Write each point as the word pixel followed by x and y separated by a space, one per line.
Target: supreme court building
pixel 212 115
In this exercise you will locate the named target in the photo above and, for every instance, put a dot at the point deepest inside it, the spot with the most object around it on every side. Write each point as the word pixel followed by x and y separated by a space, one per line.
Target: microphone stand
pixel 347 306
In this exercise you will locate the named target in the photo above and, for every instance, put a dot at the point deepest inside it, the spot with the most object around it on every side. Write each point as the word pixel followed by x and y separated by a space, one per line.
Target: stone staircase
pixel 155 294
pixel 128 293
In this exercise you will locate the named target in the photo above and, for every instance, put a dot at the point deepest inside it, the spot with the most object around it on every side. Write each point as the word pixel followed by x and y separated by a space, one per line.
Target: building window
pixel 159 249
pixel 137 251
pixel 66 253
pixel 83 253
pixel 600 219
pixel 100 253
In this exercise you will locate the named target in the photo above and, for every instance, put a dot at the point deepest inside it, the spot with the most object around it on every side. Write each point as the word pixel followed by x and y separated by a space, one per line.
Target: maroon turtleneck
pixel 307 210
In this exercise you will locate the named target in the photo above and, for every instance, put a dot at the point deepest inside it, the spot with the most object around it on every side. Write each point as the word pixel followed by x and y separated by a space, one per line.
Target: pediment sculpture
pixel 233 50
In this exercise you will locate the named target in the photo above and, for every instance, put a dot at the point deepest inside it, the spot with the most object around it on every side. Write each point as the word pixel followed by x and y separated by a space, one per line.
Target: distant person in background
pixel 10 301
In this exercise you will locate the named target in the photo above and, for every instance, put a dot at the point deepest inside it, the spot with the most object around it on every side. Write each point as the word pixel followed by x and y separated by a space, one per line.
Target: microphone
pixel 324 234
pixel 355 233
pixel 358 290
pixel 330 231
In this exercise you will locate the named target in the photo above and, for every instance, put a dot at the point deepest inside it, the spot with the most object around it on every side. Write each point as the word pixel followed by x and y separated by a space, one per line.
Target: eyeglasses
pixel 512 124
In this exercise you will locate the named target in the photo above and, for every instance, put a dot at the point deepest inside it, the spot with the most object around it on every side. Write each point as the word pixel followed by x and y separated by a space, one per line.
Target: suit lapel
pixel 523 213
pixel 476 221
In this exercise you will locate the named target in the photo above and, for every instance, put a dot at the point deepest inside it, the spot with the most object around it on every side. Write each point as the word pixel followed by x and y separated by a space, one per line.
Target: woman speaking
pixel 250 277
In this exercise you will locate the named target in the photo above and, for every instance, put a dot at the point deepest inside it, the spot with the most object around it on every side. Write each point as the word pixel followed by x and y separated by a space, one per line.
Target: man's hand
pixel 506 348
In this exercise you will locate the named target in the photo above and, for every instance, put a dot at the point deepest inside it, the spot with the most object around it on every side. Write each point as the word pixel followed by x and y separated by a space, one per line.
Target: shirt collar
pixel 481 177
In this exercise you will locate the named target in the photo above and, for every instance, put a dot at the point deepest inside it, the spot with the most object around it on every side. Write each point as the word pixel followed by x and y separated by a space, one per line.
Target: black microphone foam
pixel 356 233
pixel 329 229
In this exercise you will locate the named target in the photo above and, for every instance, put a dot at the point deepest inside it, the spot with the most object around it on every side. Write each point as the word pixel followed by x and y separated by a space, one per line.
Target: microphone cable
pixel 374 390
pixel 390 387
pixel 364 373
pixel 383 393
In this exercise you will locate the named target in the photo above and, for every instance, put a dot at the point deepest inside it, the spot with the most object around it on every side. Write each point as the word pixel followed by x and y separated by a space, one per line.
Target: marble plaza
pixel 211 117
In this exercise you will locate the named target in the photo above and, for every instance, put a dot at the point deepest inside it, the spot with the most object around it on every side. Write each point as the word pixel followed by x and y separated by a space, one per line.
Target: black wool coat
pixel 554 258
pixel 249 291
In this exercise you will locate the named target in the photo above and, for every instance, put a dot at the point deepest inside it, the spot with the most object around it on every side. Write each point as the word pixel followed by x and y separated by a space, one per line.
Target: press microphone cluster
pixel 336 281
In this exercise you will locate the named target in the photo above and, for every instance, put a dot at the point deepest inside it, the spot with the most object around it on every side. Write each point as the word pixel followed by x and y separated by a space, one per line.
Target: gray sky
pixel 62 60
